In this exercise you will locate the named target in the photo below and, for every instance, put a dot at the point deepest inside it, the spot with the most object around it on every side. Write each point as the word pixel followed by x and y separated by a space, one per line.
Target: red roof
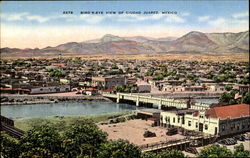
pixel 230 111
pixel 108 90
pixel 14 89
pixel 148 77
pixel 58 64
pixel 90 89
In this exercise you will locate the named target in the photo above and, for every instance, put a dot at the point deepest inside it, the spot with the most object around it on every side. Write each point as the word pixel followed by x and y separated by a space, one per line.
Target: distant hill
pixel 192 42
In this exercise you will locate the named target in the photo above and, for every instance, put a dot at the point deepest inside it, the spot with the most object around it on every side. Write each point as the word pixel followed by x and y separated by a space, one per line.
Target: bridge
pixel 181 144
pixel 161 102
pixel 7 125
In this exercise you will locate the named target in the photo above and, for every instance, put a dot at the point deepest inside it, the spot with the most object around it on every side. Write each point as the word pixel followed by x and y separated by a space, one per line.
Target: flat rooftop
pixel 181 111
pixel 147 110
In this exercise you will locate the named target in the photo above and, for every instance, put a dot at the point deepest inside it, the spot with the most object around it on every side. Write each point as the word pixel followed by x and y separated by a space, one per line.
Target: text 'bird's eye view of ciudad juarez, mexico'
pixel 124 79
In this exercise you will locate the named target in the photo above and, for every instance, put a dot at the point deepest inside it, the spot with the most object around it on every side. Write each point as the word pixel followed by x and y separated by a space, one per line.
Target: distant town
pixel 41 76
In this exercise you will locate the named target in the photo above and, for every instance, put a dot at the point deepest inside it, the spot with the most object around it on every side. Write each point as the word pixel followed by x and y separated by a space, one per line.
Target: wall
pixel 51 89
pixel 144 88
pixel 112 82
pixel 191 122
pixel 231 126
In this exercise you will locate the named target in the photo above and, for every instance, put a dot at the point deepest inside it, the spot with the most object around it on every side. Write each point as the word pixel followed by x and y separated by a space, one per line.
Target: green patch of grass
pixel 63 122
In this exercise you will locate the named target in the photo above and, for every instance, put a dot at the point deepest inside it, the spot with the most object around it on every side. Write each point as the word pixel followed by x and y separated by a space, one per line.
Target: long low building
pixel 50 89
pixel 220 121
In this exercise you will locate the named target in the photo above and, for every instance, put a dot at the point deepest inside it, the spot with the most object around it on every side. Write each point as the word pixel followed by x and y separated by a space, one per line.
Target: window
pixel 232 126
pixel 223 127
pixel 173 119
pixel 215 130
pixel 183 120
pixel 178 119
pixel 189 123
pixel 206 127
pixel 196 124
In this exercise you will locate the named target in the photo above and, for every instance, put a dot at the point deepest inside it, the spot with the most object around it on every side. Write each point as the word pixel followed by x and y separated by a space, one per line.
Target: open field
pixel 133 131
pixel 226 57
pixel 63 122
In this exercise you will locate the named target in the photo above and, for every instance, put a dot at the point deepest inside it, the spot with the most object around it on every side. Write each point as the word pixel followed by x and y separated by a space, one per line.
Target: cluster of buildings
pixel 221 121
pixel 34 76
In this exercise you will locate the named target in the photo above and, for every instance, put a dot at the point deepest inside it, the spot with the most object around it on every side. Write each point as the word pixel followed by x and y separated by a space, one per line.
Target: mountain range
pixel 192 42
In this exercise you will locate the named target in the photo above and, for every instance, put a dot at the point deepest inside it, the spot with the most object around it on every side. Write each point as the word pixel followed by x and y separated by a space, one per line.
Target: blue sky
pixel 45 20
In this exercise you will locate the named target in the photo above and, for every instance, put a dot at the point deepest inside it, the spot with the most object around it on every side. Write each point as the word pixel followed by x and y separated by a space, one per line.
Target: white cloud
pixel 174 19
pixel 38 18
pixel 93 19
pixel 229 25
pixel 241 15
pixel 134 17
pixel 203 18
pixel 185 14
pixel 218 22
pixel 14 16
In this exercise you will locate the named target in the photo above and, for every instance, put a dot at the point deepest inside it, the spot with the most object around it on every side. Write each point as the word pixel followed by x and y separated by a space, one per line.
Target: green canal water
pixel 70 109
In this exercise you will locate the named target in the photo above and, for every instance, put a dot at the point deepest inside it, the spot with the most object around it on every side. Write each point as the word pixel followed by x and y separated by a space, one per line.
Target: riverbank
pixel 14 99
pixel 62 122
pixel 9 99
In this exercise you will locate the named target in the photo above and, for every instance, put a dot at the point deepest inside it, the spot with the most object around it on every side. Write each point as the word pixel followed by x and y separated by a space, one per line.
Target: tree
pixel 244 81
pixel 119 88
pixel 219 79
pixel 56 73
pixel 149 73
pixel 41 139
pixel 164 69
pixel 246 98
pixel 229 87
pixel 192 77
pixel 119 149
pixel 228 97
pixel 9 146
pixel 40 153
pixel 171 154
pixel 240 151
pixel 215 151
pixel 158 77
pixel 83 138
pixel 76 60
pixel 149 155
pixel 181 68
pixel 210 75
pixel 114 66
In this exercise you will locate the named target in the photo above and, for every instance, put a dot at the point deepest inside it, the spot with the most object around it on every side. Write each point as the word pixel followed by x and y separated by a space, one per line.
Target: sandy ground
pixel 228 57
pixel 133 131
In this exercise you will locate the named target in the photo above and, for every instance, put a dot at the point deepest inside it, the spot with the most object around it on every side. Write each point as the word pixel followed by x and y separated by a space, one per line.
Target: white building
pixel 221 121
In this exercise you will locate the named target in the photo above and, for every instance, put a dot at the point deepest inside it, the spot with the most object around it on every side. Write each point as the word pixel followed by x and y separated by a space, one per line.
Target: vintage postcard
pixel 125 79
